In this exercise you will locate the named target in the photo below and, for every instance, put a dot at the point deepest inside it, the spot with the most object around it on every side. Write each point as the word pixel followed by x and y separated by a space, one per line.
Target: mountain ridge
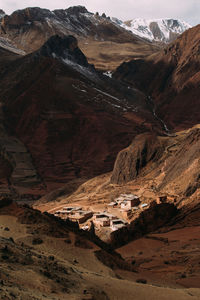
pixel 105 43
pixel 58 104
pixel 170 78
pixel 157 30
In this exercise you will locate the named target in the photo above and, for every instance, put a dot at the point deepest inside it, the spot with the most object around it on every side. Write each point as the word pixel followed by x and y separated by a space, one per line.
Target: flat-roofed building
pixel 102 222
pixel 80 216
pixel 117 224
pixel 129 199
pixel 103 219
pixel 129 203
pixel 65 211
pixel 71 208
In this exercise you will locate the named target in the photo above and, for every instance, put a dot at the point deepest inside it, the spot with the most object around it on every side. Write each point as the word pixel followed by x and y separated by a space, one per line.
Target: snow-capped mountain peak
pixel 162 30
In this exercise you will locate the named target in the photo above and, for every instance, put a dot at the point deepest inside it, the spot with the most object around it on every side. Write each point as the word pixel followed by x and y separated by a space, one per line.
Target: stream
pixel 152 105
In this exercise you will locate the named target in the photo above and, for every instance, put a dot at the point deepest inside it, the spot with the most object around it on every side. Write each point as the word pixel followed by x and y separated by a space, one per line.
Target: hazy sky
pixel 188 10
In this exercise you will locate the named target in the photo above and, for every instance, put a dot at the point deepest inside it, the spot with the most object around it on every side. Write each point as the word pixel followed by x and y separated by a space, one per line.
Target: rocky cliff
pixel 131 161
pixel 169 164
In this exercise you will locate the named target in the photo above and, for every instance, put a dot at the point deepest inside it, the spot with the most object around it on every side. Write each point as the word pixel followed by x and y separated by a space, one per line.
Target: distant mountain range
pixel 29 28
pixel 105 43
pixel 160 30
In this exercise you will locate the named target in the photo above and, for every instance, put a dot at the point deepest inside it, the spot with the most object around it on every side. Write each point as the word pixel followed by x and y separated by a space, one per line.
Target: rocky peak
pixel 75 10
pixel 21 17
pixel 37 13
pixel 160 30
pixel 64 48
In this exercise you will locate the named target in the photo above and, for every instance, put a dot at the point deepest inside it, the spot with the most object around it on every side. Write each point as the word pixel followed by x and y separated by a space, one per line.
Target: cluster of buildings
pixel 126 205
pixel 108 220
pixel 74 214
pixel 77 214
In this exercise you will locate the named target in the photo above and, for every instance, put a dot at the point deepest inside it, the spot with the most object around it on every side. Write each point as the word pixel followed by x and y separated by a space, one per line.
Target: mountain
pixel 105 43
pixel 172 162
pixel 62 120
pixel 73 136
pixel 171 79
pixel 161 242
pixel 2 13
pixel 158 30
pixel 44 23
pixel 8 45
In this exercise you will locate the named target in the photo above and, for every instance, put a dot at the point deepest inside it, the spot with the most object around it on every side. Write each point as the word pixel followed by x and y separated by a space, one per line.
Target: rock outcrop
pixel 170 164
pixel 64 48
pixel 181 168
pixel 131 161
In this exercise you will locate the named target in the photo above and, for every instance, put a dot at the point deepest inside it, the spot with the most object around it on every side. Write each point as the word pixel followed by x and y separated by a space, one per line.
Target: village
pixel 116 214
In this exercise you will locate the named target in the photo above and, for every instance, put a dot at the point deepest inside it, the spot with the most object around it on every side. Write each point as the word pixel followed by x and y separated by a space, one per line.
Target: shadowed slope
pixel 71 119
pixel 171 78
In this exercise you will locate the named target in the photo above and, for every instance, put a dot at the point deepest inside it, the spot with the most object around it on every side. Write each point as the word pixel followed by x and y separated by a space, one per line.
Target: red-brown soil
pixel 42 258
pixel 168 258
pixel 72 123
pixel 171 78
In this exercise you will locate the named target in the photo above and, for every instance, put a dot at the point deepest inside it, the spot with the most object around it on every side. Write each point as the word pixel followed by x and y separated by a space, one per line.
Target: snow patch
pixel 144 28
pixel 83 70
pixel 108 95
pixel 108 73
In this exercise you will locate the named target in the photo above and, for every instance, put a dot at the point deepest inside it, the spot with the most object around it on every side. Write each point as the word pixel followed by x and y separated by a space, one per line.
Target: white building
pixel 130 202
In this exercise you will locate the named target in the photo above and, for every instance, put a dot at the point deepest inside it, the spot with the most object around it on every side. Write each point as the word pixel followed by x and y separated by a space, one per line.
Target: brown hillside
pixel 37 264
pixel 104 42
pixel 171 78
pixel 172 162
pixel 70 121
